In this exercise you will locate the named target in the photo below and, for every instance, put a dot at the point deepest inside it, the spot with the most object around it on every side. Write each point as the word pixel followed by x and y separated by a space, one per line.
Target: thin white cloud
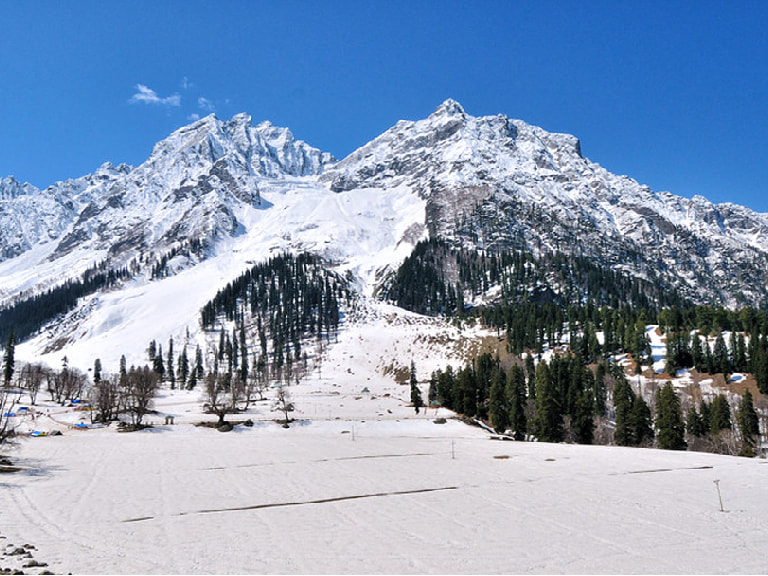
pixel 205 104
pixel 193 117
pixel 145 95
pixel 185 83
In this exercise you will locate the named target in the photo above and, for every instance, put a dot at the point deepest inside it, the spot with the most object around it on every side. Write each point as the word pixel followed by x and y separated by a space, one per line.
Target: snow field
pixel 397 497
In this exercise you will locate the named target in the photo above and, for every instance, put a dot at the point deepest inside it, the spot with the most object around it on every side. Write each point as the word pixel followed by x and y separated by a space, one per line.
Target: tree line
pixel 565 400
pixel 439 279
pixel 24 317
pixel 587 315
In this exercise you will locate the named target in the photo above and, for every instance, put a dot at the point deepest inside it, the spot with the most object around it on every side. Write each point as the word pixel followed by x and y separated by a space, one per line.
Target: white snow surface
pixel 311 499
pixel 365 491
pixel 361 484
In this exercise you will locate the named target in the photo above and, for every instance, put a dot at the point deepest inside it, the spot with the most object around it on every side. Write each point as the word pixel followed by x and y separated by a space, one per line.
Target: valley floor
pixel 361 484
pixel 383 496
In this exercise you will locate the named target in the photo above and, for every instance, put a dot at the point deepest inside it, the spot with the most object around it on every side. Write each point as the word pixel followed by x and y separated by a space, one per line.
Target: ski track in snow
pixel 303 503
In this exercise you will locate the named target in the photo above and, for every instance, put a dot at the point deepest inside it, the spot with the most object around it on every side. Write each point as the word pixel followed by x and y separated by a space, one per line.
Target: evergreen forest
pixel 560 304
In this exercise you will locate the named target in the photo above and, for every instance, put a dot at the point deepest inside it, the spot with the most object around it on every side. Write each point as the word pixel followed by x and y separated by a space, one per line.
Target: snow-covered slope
pixel 358 230
pixel 217 196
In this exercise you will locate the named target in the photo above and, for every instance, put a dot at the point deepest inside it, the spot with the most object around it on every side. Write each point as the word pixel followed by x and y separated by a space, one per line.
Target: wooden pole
pixel 717 483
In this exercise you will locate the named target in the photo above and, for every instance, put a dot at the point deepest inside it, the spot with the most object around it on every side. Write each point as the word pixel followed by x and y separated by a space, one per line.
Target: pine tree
pixel 465 397
pixel 738 352
pixel 244 368
pixel 721 359
pixel 445 386
pixel 432 392
pixel 96 371
pixel 158 366
pixel 694 423
pixel 697 353
pixel 671 365
pixel 530 370
pixel 199 369
pixel 642 424
pixel 601 394
pixel 623 399
pixel 416 398
pixel 549 418
pixel 720 415
pixel 183 367
pixel 709 360
pixel 583 418
pixel 518 419
pixel 749 423
pixel 759 363
pixel 169 367
pixel 9 360
pixel 669 420
pixel 498 407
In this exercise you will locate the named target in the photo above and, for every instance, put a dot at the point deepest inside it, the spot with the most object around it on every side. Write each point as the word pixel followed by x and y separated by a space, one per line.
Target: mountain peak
pixel 449 108
pixel 209 120
pixel 242 118
pixel 11 188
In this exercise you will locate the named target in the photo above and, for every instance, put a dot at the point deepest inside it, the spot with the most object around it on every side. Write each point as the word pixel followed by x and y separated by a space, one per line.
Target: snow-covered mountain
pixel 496 183
pixel 187 190
pixel 216 196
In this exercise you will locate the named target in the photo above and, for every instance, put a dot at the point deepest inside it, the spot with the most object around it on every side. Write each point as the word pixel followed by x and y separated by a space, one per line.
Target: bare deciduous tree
pixel 105 397
pixel 140 387
pixel 66 384
pixel 31 377
pixel 8 401
pixel 283 402
pixel 236 392
pixel 222 394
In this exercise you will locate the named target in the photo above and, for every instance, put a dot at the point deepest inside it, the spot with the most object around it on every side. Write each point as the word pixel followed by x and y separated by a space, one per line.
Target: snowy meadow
pixel 360 483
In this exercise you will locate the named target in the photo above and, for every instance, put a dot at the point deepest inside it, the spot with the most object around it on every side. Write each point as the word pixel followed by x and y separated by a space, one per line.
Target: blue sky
pixel 670 93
